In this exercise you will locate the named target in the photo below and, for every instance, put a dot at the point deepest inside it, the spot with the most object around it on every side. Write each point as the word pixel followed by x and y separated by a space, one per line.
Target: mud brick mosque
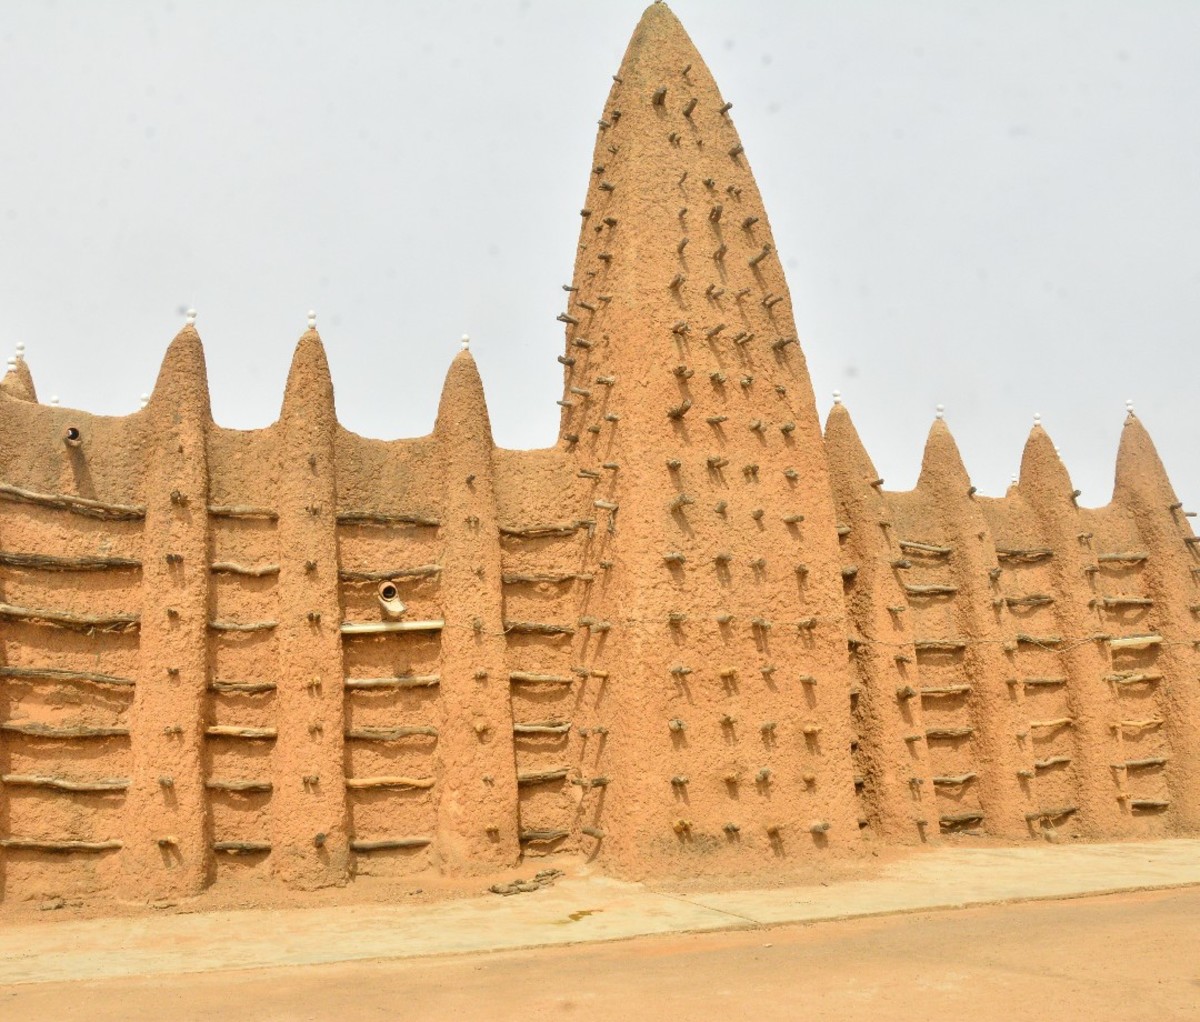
pixel 695 635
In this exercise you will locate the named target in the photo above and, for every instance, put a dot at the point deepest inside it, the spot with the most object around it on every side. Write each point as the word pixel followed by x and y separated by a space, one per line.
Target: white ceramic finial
pixel 20 351
pixel 145 400
pixel 312 320
pixel 54 400
pixel 191 317
pixel 12 361
pixel 1037 418
pixel 941 411
pixel 1129 405
pixel 837 397
pixel 465 341
pixel 1058 451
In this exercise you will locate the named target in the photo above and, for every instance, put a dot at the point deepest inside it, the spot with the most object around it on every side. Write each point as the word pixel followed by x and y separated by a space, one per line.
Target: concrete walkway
pixel 573 910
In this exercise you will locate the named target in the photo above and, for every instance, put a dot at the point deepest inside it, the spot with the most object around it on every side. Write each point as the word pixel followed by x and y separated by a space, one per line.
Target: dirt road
pixel 1134 956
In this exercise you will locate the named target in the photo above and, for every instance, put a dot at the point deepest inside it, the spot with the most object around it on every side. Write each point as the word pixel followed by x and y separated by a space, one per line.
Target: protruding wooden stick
pixel 242 626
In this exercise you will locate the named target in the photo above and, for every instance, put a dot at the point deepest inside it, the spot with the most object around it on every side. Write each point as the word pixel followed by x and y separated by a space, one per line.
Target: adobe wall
pixel 696 635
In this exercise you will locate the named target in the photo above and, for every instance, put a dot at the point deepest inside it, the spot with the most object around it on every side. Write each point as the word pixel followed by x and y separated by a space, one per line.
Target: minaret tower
pixel 687 400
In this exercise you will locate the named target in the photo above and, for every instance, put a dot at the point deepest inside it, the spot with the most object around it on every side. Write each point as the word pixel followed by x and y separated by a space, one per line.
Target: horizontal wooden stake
pixel 1123 558
pixel 1134 641
pixel 542 776
pixel 1030 555
pixel 390 575
pixel 960 819
pixel 384 844
pixel 59 674
pixel 1135 764
pixel 401 681
pixel 38 844
pixel 75 622
pixel 67 731
pixel 252 570
pixel 1133 677
pixel 240 847
pixel 248 786
pixel 914 546
pixel 46 562
pixel 242 687
pixel 537 628
pixel 386 518
pixel 100 784
pixel 77 505
pixel 930 590
pixel 242 511
pixel 552 577
pixel 391 734
pixel 1045 725
pixel 541 836
pixel 1033 600
pixel 1051 814
pixel 546 727
pixel 233 731
pixel 1051 761
pixel 953 782
pixel 389 782
pixel 242 626
pixel 539 679
pixel 544 531
pixel 381 627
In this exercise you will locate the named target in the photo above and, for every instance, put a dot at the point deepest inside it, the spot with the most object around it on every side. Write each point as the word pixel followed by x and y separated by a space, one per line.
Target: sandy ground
pixel 1132 956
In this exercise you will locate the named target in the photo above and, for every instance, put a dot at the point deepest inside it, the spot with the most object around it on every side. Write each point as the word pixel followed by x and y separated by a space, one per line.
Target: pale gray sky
pixel 991 205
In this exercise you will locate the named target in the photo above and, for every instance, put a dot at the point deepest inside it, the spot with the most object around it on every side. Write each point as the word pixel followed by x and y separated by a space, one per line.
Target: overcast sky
pixel 995 206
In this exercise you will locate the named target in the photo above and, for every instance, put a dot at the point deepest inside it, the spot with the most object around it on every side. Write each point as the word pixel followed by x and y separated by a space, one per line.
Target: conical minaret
pixel 688 401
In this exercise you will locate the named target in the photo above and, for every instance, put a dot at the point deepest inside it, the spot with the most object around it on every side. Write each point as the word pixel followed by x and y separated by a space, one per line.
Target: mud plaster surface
pixel 696 636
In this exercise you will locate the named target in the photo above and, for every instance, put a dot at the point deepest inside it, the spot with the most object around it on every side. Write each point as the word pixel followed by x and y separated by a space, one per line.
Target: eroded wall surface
pixel 696 635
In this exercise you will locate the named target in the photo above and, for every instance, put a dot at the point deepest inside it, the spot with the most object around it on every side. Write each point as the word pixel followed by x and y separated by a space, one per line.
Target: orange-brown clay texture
pixel 695 636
